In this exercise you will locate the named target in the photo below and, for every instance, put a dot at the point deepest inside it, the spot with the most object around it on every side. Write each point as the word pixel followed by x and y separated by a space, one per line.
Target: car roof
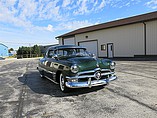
pixel 64 47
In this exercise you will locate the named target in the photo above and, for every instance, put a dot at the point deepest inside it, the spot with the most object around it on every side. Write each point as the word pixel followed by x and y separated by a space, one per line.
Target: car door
pixel 49 65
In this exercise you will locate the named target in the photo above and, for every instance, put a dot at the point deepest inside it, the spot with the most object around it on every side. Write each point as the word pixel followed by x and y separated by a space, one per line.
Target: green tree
pixel 19 51
pixel 11 49
pixel 36 50
pixel 25 51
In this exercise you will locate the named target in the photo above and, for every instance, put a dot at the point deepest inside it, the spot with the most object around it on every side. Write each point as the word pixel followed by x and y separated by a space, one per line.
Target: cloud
pixel 102 4
pixel 90 6
pixel 49 10
pixel 152 4
pixel 57 9
pixel 66 3
pixel 8 14
pixel 122 3
pixel 29 10
pixel 25 13
pixel 86 6
pixel 74 25
pixel 50 28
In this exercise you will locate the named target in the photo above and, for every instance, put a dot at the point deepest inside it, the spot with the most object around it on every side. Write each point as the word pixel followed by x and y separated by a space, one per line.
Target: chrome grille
pixel 83 76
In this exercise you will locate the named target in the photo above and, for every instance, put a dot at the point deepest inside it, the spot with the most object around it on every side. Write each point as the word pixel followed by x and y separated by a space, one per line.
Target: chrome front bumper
pixel 90 83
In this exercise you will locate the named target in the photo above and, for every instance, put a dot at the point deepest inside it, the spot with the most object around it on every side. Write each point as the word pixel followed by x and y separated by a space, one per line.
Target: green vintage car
pixel 72 66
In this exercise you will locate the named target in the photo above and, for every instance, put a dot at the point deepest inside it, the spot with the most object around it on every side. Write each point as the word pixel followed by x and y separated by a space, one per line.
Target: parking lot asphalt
pixel 24 94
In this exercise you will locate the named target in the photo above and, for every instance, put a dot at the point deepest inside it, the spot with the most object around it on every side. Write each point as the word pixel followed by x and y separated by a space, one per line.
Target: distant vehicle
pixel 1 58
pixel 73 67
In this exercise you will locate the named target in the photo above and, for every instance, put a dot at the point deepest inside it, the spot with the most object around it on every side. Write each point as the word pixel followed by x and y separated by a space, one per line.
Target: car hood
pixel 85 63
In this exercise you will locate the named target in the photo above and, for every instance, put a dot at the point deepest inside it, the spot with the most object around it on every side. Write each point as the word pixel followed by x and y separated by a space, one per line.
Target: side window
pixel 61 52
pixel 50 54
pixel 46 53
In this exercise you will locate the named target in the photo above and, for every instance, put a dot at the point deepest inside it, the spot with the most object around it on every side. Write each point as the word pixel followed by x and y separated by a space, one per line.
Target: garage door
pixel 69 41
pixel 92 46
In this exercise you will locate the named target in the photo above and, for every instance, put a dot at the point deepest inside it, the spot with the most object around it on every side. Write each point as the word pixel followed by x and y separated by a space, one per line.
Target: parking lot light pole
pixel 30 49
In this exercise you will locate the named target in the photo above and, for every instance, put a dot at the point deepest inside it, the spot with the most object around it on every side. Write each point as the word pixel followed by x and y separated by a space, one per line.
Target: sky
pixel 30 22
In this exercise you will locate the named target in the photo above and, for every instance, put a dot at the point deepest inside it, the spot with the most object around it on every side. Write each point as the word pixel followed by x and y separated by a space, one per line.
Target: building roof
pixel 4 45
pixel 116 23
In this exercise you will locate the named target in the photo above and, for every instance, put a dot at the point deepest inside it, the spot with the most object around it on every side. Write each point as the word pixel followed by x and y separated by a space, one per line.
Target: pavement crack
pixel 23 95
pixel 132 99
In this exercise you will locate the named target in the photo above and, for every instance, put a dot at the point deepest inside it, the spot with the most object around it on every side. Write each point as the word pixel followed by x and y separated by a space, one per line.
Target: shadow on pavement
pixel 44 86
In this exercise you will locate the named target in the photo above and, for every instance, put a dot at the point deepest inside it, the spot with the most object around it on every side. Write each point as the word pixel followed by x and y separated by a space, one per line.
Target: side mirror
pixel 91 54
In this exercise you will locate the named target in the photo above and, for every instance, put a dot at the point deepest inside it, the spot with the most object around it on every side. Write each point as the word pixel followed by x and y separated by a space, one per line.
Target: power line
pixel 23 43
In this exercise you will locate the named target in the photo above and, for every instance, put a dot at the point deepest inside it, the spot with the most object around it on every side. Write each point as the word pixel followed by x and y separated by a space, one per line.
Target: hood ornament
pixel 97 75
pixel 97 65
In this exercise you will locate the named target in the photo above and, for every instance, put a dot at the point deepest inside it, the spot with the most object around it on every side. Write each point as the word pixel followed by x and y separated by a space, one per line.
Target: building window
pixel 103 47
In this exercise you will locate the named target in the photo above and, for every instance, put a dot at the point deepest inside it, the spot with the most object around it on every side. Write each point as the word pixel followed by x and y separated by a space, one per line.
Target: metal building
pixel 45 47
pixel 130 37
pixel 3 50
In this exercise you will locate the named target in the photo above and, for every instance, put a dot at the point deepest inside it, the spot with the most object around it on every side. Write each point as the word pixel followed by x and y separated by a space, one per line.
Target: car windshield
pixel 72 52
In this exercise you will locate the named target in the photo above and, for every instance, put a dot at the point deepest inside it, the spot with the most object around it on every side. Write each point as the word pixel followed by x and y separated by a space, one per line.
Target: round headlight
pixel 112 65
pixel 74 68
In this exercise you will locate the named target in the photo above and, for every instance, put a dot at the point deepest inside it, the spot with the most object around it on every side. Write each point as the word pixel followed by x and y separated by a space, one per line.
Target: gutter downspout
pixel 145 39
pixel 62 41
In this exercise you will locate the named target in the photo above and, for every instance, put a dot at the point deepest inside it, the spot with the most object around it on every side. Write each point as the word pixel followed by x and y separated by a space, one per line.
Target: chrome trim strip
pixel 88 76
pixel 105 70
pixel 90 83
pixel 51 80
pixel 90 71
pixel 40 68
pixel 107 73
pixel 79 77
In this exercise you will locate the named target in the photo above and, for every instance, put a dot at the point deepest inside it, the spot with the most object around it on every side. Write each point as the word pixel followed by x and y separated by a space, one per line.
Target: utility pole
pixel 30 49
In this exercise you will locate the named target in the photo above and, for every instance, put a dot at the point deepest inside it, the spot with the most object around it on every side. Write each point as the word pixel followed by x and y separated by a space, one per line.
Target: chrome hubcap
pixel 61 82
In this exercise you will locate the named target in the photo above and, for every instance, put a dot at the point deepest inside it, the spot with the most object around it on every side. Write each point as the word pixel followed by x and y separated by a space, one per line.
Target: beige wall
pixel 60 41
pixel 67 41
pixel 151 37
pixel 128 40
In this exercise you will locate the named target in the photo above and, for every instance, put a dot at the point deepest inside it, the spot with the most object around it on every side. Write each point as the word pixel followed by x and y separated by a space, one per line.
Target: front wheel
pixel 62 83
